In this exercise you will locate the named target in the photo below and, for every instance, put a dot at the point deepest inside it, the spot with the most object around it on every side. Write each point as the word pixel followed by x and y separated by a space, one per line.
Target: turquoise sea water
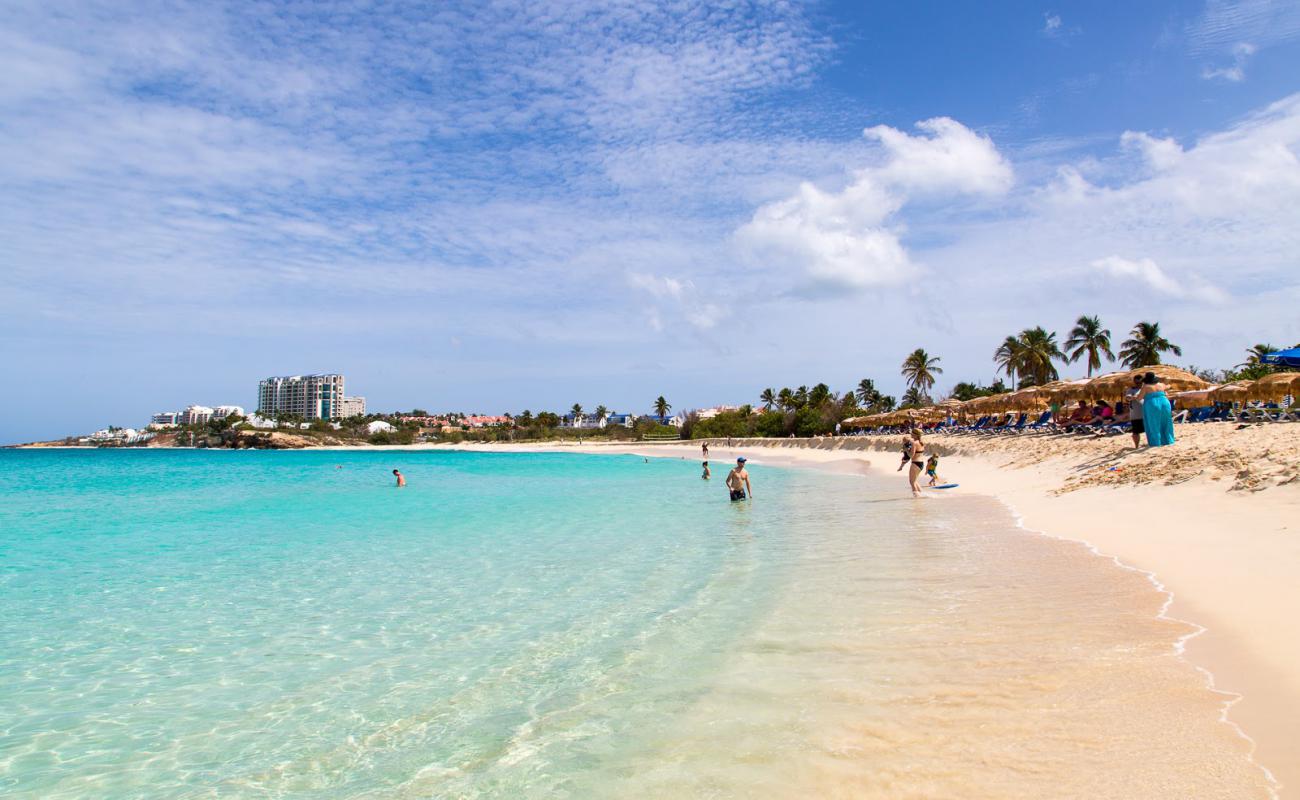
pixel 186 624
pixel 291 623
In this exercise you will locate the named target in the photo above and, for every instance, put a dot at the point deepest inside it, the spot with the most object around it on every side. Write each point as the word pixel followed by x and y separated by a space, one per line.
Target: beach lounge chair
pixel 1219 414
pixel 1044 421
pixel 1019 425
pixel 976 425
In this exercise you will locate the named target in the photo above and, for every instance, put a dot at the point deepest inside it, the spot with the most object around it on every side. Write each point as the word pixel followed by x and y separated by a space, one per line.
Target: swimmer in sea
pixel 706 474
pixel 401 480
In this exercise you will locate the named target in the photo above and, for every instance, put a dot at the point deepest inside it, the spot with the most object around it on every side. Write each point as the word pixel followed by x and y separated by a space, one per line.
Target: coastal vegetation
pixel 1028 358
pixel 1146 346
pixel 1089 339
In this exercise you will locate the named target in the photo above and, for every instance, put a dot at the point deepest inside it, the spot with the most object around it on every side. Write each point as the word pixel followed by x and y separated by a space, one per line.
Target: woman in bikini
pixel 918 462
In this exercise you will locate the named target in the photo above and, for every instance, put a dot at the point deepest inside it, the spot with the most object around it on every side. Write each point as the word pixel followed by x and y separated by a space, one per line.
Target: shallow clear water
pixel 263 624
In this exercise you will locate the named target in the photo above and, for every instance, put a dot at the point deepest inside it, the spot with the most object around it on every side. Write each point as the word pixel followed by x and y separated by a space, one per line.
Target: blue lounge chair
pixel 1044 421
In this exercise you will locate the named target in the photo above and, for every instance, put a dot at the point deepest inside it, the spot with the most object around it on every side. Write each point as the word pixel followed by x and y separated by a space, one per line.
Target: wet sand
pixel 1228 557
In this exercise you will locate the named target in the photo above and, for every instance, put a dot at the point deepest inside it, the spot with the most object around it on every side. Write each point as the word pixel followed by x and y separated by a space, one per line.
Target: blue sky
pixel 497 206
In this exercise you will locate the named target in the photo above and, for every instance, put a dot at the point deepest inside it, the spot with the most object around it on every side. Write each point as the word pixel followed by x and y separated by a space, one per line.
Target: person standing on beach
pixel 704 448
pixel 706 474
pixel 918 463
pixel 401 480
pixel 1133 395
pixel 1157 413
pixel 738 481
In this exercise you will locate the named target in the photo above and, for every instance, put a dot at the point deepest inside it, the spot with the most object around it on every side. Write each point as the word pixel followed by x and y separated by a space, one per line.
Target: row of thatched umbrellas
pixel 1187 389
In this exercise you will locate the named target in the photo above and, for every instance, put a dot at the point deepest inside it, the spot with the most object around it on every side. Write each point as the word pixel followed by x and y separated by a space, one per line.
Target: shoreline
pixel 1210 523
pixel 1223 561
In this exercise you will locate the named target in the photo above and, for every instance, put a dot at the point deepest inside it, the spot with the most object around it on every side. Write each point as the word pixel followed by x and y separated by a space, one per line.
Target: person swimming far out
pixel 706 475
pixel 401 479
pixel 738 481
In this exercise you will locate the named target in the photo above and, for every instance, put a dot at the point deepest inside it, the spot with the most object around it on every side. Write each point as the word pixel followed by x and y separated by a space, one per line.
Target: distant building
pixel 352 407
pixel 118 436
pixel 592 422
pixel 221 412
pixel 308 396
pixel 379 426
pixel 710 413
pixel 196 415
pixel 483 421
pixel 165 419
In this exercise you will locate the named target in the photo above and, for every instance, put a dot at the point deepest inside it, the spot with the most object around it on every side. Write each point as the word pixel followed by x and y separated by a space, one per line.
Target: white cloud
pixel 1146 271
pixel 1051 24
pixel 657 286
pixel 1160 154
pixel 849 239
pixel 678 297
pixel 953 158
pixel 1225 23
pixel 1236 73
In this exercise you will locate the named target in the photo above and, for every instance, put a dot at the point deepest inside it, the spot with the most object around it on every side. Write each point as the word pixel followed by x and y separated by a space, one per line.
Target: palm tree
pixel 1254 354
pixel 785 398
pixel 576 411
pixel 1037 351
pixel 1007 356
pixel 867 393
pixel 769 399
pixel 1144 349
pixel 1090 339
pixel 919 370
pixel 601 413
pixel 662 407
pixel 915 397
pixel 801 397
pixel 818 395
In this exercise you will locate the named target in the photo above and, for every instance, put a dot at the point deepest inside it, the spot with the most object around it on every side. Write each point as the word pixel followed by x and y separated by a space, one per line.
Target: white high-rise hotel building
pixel 308 396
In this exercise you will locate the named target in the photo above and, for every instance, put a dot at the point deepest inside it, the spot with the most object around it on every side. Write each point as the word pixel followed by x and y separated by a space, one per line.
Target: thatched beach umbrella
pixel 1235 392
pixel 1113 385
pixel 1073 390
pixel 1195 399
pixel 1030 398
pixel 1276 386
pixel 1047 392
pixel 1177 379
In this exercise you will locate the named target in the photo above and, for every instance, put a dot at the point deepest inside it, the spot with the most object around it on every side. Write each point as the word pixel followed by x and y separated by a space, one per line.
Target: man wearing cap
pixel 738 481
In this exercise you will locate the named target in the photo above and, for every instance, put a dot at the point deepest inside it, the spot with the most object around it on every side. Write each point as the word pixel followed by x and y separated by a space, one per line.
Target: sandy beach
pixel 1212 520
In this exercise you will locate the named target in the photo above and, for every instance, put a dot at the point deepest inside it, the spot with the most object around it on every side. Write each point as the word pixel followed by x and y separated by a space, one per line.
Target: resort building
pixel 165 419
pixel 352 407
pixel 222 412
pixel 196 415
pixel 592 422
pixel 307 396
pixel 710 413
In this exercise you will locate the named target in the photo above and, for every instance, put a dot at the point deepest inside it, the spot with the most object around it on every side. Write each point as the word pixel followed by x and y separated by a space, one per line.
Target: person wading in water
pixel 738 481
